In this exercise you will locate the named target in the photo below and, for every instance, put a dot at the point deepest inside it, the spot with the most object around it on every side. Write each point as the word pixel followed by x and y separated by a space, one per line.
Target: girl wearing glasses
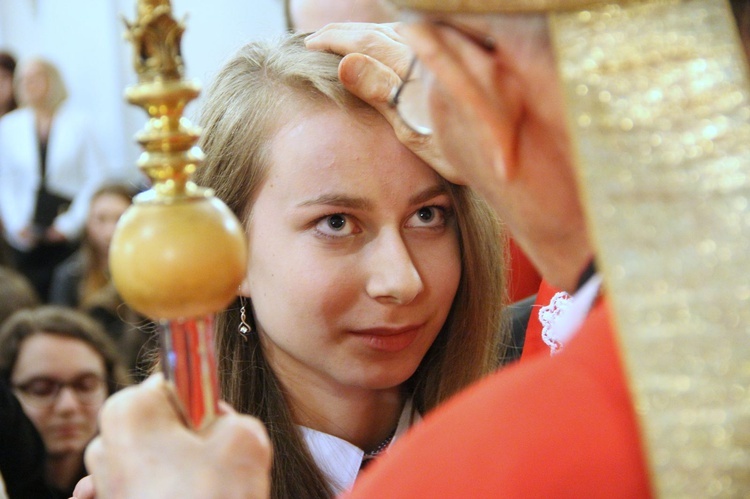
pixel 365 299
pixel 61 366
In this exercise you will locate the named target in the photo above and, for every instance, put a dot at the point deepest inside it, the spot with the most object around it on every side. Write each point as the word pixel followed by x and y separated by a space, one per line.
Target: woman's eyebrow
pixel 359 203
pixel 429 193
pixel 340 200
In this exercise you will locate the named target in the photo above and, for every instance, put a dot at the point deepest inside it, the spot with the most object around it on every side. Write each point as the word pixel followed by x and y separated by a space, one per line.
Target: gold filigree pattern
pixel 170 156
pixel 659 109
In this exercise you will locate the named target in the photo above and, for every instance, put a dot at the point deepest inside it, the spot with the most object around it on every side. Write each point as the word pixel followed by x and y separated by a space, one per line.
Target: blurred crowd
pixel 67 339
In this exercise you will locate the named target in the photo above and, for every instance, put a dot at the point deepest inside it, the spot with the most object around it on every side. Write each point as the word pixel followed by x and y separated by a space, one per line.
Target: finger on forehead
pixel 368 79
pixel 375 83
pixel 394 54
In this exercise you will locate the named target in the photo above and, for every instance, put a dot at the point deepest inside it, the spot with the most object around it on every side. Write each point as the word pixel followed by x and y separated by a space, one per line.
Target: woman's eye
pixel 41 387
pixel 336 225
pixel 428 216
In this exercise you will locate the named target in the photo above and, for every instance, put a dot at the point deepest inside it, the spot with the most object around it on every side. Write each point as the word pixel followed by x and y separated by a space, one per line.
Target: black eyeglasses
pixel 42 391
pixel 411 98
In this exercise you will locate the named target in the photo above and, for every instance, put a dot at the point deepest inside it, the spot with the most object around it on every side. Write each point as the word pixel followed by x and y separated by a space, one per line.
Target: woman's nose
pixel 66 399
pixel 392 275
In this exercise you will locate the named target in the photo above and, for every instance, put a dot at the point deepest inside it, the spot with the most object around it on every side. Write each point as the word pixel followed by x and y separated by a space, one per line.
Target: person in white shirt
pixel 50 164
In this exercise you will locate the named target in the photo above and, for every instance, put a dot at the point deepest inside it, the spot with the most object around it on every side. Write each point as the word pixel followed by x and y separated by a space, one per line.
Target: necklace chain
pixel 381 446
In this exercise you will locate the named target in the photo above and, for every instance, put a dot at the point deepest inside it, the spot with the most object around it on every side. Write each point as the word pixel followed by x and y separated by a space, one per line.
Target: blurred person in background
pixel 82 281
pixel 50 165
pixel 61 366
pixel 86 272
pixel 21 447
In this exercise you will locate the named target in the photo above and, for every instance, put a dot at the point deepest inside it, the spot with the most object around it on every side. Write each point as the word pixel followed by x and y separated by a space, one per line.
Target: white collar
pixel 569 322
pixel 340 460
pixel 564 314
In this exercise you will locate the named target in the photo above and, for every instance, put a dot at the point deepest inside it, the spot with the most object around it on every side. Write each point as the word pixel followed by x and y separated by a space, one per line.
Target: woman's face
pixel 66 422
pixel 106 210
pixel 354 256
pixel 34 84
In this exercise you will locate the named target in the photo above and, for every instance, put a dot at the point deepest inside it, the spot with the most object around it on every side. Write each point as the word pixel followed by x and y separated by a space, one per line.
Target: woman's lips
pixel 389 339
pixel 67 431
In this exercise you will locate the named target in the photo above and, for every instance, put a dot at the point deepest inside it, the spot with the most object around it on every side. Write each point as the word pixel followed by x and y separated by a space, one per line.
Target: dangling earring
pixel 244 328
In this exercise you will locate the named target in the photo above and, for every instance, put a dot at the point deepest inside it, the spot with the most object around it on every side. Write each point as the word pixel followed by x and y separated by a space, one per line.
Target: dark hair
pixel 8 63
pixel 59 321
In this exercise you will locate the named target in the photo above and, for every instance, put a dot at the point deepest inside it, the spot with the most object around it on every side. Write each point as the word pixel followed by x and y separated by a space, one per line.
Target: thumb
pixel 376 83
pixel 370 80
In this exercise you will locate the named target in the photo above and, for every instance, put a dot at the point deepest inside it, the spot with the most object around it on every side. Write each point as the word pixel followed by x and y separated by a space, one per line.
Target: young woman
pixel 61 366
pixel 374 287
pixel 82 281
pixel 78 279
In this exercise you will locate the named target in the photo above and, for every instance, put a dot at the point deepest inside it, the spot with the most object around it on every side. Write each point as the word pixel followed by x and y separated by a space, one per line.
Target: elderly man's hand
pixel 144 450
pixel 375 60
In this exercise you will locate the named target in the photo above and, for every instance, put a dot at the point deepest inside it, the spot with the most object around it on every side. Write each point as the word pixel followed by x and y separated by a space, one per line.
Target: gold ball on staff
pixel 178 259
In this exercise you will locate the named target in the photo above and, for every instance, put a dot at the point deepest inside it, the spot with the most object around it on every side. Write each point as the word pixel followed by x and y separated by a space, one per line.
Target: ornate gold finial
pixel 168 138
pixel 156 39
pixel 178 254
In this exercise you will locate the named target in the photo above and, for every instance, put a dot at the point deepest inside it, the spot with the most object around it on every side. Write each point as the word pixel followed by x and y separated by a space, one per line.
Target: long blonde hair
pixel 248 102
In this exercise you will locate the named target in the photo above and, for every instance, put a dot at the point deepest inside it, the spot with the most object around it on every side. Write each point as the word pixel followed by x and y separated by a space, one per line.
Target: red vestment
pixel 523 278
pixel 560 426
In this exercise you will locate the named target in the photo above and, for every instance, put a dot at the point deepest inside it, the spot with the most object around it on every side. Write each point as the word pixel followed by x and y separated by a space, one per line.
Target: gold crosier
pixel 658 105
pixel 178 254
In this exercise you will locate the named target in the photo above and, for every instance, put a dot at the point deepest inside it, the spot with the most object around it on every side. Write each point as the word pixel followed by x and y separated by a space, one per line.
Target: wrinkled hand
pixel 376 58
pixel 145 451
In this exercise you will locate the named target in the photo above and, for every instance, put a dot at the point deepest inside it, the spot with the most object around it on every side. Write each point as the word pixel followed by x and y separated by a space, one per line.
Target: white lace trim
pixel 549 315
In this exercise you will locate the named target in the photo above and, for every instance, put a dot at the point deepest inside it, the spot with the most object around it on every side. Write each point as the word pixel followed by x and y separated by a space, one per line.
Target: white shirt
pixel 75 168
pixel 339 460
pixel 570 321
